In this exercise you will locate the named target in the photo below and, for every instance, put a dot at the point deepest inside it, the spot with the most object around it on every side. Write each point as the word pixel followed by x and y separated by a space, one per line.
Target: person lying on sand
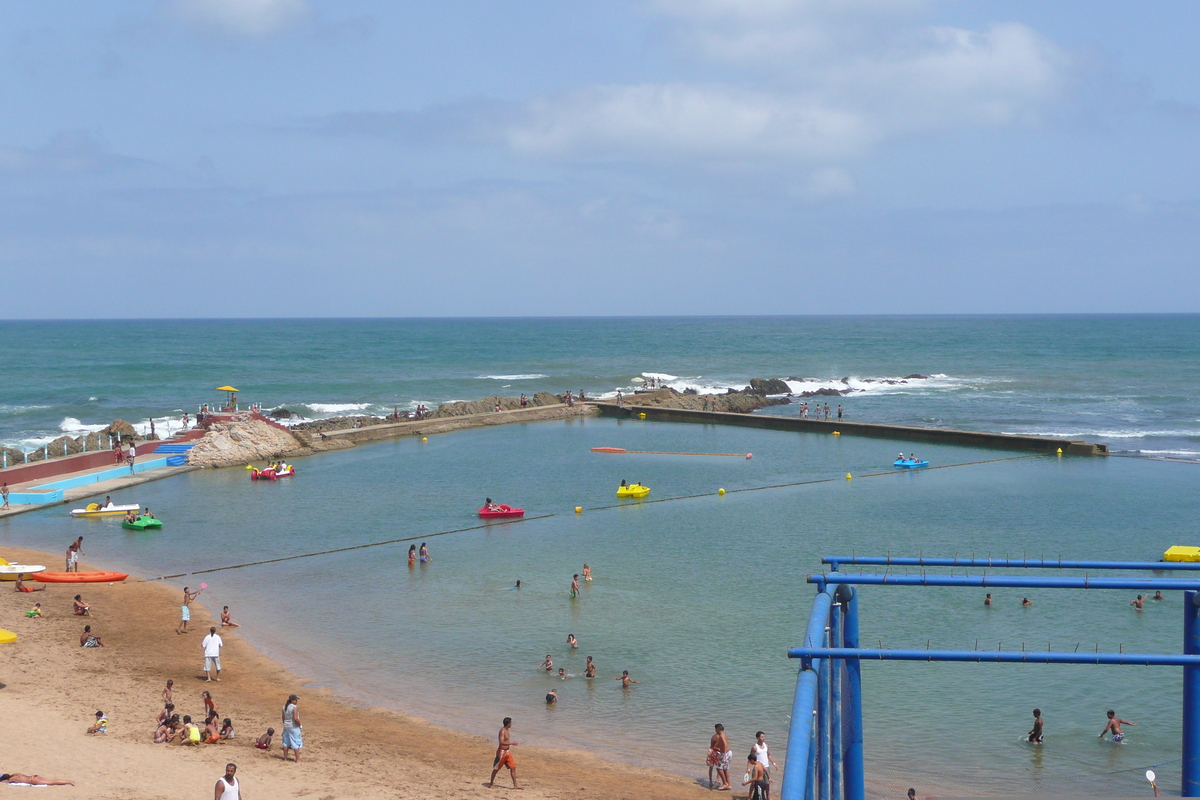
pixel 264 742
pixel 32 780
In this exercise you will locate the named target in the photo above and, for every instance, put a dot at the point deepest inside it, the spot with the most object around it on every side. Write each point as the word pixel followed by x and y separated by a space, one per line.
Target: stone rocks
pixel 120 429
pixel 732 401
pixel 241 441
pixel 825 392
pixel 768 386
pixel 916 377
pixel 13 455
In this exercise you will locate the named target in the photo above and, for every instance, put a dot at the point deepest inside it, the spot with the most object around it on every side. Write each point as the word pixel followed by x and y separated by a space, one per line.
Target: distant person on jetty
pixel 504 756
pixel 80 608
pixel 839 410
pixel 1035 733
pixel 32 780
pixel 185 611
pixel 1137 603
pixel 619 398
pixel 4 495
pixel 1114 726
pixel 719 758
pixel 89 639
pixel 293 730
pixel 132 456
pixel 212 645
pixel 575 586
pixel 625 679
pixel 21 587
pixel 226 622
pixel 227 787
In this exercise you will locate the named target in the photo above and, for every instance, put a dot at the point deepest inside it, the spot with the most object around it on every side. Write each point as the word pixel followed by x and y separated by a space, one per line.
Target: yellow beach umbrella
pixel 226 389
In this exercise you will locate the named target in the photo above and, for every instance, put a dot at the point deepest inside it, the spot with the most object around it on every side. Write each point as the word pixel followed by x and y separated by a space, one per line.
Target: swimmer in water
pixel 1025 601
pixel 625 679
pixel 1157 596
pixel 987 601
pixel 587 572
pixel 562 674
pixel 1035 734
pixel 1137 603
pixel 516 585
pixel 548 664
pixel 590 670
pixel 551 697
pixel 1114 726
pixel 575 586
pixel 412 554
pixel 571 641
pixel 424 554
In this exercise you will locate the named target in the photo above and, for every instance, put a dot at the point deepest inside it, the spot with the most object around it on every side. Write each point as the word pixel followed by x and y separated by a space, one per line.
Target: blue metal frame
pixel 829 743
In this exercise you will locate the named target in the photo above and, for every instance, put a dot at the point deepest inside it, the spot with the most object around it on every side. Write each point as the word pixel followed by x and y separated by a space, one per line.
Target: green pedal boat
pixel 143 524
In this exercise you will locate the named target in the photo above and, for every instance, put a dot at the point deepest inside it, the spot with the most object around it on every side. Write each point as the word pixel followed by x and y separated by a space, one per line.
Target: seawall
pixel 425 427
pixel 996 441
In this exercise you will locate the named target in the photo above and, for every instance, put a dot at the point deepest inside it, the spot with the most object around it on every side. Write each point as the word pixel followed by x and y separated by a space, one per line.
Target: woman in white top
pixel 293 730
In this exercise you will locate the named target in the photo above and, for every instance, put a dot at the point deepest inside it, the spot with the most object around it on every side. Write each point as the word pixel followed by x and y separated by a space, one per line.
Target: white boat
pixel 97 510
pixel 20 569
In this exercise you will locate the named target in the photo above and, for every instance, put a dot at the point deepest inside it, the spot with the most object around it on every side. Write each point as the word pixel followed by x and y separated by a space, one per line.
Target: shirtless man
pixel 32 780
pixel 185 611
pixel 987 601
pixel 590 670
pixel 719 756
pixel 1137 603
pixel 504 756
pixel 1157 595
pixel 625 679
pixel 548 664
pixel 760 782
pixel 21 587
pixel 1035 734
pixel 575 586
pixel 226 622
pixel 1114 725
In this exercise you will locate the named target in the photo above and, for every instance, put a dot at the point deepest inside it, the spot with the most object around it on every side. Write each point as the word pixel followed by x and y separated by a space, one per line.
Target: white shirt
pixel 212 646
pixel 229 792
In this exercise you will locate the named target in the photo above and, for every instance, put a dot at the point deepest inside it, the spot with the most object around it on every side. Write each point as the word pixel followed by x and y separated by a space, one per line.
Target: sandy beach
pixel 50 689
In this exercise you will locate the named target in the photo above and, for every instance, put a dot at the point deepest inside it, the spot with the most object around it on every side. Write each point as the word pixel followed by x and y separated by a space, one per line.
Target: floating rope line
pixel 488 525
pixel 623 451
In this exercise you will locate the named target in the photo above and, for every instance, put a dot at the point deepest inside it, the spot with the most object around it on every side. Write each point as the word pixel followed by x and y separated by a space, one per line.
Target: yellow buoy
pixel 424 438
pixel 1060 451
pixel 849 476
pixel 837 433
pixel 721 492
pixel 248 466
pixel 578 509
pixel 642 415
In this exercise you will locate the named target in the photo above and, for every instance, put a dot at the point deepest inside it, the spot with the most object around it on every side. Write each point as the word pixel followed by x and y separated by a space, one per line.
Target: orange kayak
pixel 79 577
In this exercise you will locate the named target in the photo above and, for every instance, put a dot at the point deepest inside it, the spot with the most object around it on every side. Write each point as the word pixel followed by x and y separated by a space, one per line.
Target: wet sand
pixel 52 688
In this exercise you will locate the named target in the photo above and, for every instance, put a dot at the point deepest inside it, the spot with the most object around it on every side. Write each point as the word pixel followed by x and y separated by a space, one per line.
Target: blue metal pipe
pixel 835 704
pixel 824 785
pixel 853 777
pixel 800 732
pixel 836 562
pixel 999 656
pixel 1011 581
pixel 1190 782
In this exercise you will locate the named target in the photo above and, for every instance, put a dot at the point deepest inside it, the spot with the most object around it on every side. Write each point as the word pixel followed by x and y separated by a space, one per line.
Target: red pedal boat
pixel 500 512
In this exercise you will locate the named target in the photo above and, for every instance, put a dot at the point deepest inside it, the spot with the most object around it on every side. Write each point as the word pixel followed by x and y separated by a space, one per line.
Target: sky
pixel 301 158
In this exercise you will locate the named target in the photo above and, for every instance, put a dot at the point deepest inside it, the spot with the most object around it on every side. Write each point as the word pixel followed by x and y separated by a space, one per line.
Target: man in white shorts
pixel 212 645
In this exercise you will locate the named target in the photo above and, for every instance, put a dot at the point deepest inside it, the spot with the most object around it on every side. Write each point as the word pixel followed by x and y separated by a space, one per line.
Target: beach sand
pixel 50 689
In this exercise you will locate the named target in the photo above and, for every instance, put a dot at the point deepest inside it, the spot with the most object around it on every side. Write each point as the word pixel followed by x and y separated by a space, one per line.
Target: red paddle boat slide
pixel 493 511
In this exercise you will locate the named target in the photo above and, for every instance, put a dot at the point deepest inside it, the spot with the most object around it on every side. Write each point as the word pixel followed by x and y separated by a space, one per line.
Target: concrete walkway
pixel 73 496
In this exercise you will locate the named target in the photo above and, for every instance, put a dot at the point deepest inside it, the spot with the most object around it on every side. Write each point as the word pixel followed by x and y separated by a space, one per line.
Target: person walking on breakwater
pixel 1035 733
pixel 4 495
pixel 293 730
pixel 1114 726
pixel 227 787
pixel 719 758
pixel 504 756
pixel 132 456
pixel 185 611
pixel 212 645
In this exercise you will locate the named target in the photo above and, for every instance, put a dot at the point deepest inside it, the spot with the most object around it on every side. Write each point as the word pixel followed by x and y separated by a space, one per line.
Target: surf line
pixel 344 549
pixel 548 516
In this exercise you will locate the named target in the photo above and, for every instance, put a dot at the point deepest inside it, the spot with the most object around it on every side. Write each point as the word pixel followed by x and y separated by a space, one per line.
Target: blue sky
pixel 305 158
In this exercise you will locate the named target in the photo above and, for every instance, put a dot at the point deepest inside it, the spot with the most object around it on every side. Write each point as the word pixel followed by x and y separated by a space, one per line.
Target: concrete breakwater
pixel 998 441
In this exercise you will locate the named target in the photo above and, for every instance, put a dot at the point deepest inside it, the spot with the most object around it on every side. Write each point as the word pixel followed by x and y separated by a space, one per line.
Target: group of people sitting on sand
pixel 171 728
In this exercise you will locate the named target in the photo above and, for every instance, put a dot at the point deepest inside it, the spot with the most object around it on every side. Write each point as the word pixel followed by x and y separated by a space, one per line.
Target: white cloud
pixel 823 82
pixel 254 18
pixel 826 183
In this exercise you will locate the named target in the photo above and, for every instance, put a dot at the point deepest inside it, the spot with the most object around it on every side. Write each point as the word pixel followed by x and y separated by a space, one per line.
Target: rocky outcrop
pixel 119 429
pixel 242 441
pixel 732 401
pixel 827 392
pixel 489 404
pixel 768 386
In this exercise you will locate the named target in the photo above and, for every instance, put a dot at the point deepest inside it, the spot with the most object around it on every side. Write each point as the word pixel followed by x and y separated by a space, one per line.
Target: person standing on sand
pixel 212 645
pixel 759 781
pixel 504 756
pixel 73 553
pixel 185 612
pixel 763 754
pixel 227 787
pixel 293 730
pixel 719 758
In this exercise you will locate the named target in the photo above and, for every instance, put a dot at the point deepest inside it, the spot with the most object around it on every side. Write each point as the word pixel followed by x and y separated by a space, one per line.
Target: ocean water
pixel 697 597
